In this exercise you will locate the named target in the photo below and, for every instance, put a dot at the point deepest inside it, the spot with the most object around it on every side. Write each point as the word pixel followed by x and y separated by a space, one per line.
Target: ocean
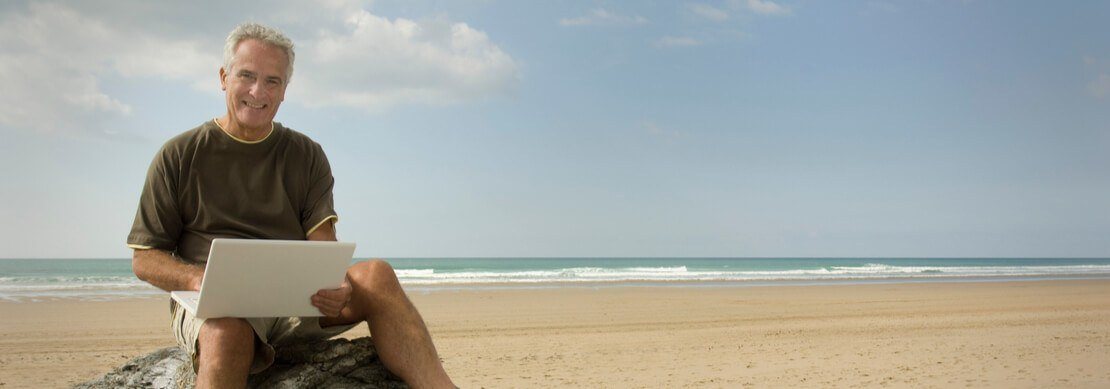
pixel 28 280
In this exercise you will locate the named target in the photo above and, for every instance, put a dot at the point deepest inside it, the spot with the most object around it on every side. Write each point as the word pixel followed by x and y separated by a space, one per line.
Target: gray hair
pixel 266 34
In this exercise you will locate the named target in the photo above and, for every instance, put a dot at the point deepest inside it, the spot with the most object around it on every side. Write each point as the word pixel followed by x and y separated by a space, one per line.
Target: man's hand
pixel 332 301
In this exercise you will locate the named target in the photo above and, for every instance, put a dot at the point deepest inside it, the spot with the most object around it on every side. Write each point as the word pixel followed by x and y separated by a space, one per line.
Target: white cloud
pixel 376 63
pixel 40 96
pixel 602 17
pixel 175 60
pixel 54 59
pixel 673 41
pixel 767 7
pixel 709 12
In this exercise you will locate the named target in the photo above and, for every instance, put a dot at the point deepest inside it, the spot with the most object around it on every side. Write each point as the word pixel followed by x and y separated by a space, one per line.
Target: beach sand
pixel 994 334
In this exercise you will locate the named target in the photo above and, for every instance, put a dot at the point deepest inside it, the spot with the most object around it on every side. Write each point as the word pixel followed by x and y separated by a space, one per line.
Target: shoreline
pixel 23 279
pixel 940 334
pixel 152 293
pixel 752 283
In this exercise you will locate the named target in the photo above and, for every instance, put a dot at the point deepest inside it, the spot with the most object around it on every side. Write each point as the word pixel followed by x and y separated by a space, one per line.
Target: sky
pixel 488 128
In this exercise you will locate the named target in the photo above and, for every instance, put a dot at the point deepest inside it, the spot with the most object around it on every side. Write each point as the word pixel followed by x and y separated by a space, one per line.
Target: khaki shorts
pixel 268 333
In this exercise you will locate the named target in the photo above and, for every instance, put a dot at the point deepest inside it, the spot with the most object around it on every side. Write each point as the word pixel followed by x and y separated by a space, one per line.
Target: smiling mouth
pixel 254 106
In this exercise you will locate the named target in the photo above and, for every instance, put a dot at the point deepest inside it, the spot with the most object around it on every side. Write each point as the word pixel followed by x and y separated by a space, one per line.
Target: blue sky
pixel 595 128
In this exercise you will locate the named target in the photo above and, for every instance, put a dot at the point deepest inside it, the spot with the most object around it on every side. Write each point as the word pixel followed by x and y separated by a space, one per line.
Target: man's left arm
pixel 325 232
pixel 330 301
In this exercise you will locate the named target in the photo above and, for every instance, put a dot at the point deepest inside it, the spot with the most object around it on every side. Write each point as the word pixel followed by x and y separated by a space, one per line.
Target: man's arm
pixel 161 269
pixel 325 231
pixel 330 302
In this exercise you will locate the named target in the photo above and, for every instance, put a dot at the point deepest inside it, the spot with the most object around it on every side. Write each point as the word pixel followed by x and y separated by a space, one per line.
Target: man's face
pixel 254 84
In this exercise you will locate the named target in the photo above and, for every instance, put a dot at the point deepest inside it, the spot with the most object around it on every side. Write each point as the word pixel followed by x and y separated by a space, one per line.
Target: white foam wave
pixel 682 273
pixel 415 272
pixel 31 287
pixel 97 286
pixel 80 287
pixel 65 279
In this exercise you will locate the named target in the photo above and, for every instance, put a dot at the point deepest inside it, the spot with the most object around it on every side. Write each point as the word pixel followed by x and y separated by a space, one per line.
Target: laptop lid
pixel 269 278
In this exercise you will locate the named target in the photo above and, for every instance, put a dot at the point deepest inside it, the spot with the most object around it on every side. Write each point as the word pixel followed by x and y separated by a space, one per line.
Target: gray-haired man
pixel 243 175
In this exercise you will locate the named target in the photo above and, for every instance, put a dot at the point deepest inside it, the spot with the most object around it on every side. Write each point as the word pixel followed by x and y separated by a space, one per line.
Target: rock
pixel 333 364
pixel 165 368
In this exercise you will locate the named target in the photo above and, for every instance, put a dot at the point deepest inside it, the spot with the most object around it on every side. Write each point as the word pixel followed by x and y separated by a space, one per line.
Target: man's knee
pixel 374 279
pixel 226 336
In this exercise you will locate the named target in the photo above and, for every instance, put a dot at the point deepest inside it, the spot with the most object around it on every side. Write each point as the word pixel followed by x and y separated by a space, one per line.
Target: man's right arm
pixel 161 269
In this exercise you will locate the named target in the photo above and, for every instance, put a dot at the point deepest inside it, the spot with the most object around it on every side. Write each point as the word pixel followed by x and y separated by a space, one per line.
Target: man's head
pixel 262 33
pixel 258 63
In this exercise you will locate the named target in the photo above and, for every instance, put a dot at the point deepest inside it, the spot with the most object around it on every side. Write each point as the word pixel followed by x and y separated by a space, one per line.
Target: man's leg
pixel 226 349
pixel 398 331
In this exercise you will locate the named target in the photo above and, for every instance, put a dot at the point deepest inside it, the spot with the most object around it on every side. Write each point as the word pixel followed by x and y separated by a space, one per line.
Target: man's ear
pixel 223 78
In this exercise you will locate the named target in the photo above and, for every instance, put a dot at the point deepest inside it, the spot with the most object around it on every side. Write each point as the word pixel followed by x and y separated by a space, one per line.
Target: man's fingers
pixel 340 293
pixel 328 302
pixel 330 294
pixel 331 301
pixel 327 307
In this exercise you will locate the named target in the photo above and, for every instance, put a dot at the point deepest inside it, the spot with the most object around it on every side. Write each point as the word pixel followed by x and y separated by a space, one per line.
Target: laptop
pixel 266 278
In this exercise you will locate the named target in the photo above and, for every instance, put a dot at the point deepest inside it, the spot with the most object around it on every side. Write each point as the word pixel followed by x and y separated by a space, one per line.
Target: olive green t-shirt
pixel 205 184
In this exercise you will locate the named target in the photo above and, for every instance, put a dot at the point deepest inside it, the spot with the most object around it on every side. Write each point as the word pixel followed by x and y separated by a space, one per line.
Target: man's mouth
pixel 255 106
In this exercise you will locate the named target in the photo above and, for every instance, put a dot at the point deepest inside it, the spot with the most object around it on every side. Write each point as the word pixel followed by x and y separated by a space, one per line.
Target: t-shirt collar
pixel 249 142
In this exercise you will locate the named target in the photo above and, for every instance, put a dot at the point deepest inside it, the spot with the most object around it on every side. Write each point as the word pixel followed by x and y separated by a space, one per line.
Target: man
pixel 244 176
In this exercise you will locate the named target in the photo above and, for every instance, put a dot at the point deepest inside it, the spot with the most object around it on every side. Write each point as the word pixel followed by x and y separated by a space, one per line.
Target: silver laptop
pixel 266 278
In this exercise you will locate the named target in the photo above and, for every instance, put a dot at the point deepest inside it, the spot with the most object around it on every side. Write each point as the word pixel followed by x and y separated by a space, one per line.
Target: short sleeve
pixel 319 206
pixel 158 221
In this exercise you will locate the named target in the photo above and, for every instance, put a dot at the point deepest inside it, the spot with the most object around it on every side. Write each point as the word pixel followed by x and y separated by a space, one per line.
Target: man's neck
pixel 243 133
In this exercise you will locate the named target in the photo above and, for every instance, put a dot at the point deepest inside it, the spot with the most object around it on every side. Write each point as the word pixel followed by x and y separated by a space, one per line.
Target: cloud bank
pixel 57 58
pixel 54 59
pixel 374 63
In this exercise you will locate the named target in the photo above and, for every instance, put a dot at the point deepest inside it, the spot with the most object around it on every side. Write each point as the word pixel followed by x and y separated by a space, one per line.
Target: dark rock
pixel 332 364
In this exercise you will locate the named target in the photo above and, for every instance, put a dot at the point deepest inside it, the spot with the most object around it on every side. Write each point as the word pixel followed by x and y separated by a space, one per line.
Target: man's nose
pixel 258 89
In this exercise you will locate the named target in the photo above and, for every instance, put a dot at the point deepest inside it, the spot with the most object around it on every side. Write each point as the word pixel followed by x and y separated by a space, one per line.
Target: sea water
pixel 99 279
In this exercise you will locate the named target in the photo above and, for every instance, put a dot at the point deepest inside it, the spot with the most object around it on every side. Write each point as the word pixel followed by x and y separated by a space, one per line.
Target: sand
pixel 995 334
